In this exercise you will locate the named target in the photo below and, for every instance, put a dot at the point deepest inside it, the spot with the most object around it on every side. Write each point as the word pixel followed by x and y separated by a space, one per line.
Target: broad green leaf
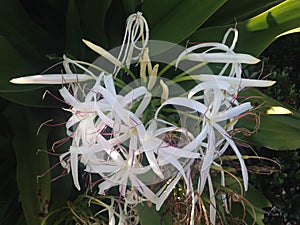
pixel 131 6
pixel 156 10
pixel 149 215
pixel 258 32
pixel 35 98
pixel 235 11
pixel 9 208
pixel 34 194
pixel 277 132
pixel 295 30
pixel 258 201
pixel 167 19
pixel 13 64
pixel 253 200
pixel 74 45
pixel 59 198
pixel 29 38
pixel 93 18
pixel 115 21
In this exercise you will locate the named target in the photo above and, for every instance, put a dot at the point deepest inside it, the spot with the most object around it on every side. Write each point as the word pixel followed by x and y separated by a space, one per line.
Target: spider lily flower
pixel 110 138
pixel 91 117
pixel 213 115
pixel 226 55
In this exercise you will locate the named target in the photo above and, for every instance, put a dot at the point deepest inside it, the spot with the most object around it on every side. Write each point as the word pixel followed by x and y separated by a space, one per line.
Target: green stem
pixel 180 77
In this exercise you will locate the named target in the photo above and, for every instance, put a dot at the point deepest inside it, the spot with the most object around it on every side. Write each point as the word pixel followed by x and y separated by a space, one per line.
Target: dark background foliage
pixel 281 63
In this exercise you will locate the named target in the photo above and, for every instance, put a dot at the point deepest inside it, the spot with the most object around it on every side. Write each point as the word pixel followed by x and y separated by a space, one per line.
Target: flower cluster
pixel 146 157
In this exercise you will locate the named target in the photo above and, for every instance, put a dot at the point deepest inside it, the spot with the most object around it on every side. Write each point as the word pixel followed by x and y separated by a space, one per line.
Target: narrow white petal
pixel 233 112
pixel 194 144
pixel 134 95
pixel 234 81
pixel 166 192
pixel 143 189
pixel 186 102
pixel 209 84
pixel 237 152
pixel 109 84
pixel 207 159
pixel 68 97
pixel 212 204
pixel 74 168
pixel 202 45
pixel 222 58
pixel 51 79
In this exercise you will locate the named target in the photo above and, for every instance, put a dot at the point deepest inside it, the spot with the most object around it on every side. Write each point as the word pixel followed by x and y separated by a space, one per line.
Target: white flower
pixel 212 116
pixel 220 53
pixel 110 138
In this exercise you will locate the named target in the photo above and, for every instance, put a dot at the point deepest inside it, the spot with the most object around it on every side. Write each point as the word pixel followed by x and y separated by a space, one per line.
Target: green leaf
pixel 258 32
pixel 258 201
pixel 130 6
pixel 253 200
pixel 149 215
pixel 234 11
pixel 165 17
pixel 36 98
pixel 93 18
pixel 277 132
pixel 74 45
pixel 115 24
pixel 29 38
pixel 34 196
pixel 13 64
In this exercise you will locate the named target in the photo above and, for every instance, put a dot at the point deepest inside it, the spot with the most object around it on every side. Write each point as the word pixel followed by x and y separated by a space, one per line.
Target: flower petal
pixel 234 81
pixel 52 79
pixel 224 57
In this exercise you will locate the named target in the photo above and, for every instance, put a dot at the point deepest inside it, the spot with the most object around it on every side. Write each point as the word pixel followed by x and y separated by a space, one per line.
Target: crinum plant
pixel 118 147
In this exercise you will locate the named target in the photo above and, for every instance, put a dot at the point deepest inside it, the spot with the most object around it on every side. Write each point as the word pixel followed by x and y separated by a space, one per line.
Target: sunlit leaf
pixel 278 132
pixel 256 33
pixel 278 110
pixel 235 11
